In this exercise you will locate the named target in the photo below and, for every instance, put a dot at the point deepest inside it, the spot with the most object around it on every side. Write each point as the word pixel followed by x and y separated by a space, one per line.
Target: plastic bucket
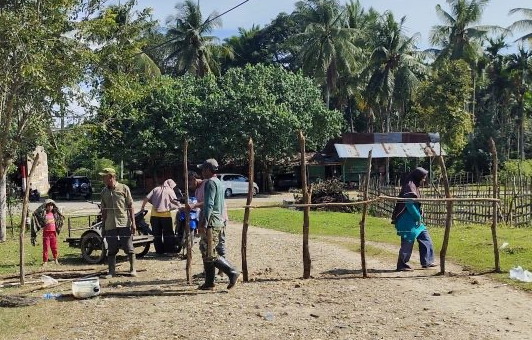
pixel 86 288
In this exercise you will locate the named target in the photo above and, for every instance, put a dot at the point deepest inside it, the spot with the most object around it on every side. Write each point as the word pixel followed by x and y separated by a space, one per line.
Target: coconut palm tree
pixel 394 69
pixel 191 45
pixel 458 37
pixel 523 24
pixel 327 47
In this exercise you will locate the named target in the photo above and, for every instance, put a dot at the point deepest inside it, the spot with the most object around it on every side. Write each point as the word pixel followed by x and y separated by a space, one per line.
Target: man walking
pixel 211 226
pixel 119 220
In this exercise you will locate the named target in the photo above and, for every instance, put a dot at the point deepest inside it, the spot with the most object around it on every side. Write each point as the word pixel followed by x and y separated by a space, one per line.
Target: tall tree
pixel 394 69
pixel 327 47
pixel 519 66
pixel 458 37
pixel 440 104
pixel 40 65
pixel 523 24
pixel 190 47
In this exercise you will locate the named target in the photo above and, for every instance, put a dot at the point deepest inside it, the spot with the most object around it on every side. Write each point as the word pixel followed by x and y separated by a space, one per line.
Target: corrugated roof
pixel 389 150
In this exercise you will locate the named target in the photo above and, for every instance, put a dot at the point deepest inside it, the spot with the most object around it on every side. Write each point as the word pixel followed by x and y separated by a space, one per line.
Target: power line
pixel 204 24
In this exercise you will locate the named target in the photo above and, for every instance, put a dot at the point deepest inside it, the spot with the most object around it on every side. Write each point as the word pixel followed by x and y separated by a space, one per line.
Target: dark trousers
pixel 180 232
pixel 119 238
pixel 426 251
pixel 163 234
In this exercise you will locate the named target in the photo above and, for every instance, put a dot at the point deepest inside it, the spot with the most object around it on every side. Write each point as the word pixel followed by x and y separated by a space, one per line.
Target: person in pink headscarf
pixel 163 200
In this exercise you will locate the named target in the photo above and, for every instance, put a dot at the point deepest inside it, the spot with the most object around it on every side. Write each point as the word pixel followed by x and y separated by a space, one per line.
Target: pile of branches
pixel 328 191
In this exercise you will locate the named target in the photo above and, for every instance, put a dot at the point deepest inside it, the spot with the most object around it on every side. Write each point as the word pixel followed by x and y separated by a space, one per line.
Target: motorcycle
pixel 93 247
pixel 181 221
pixel 34 196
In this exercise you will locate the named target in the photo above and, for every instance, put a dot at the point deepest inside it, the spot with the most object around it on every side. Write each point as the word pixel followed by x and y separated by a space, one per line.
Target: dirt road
pixel 335 304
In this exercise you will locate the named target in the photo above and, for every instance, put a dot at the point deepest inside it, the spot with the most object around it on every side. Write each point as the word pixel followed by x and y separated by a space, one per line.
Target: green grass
pixel 9 250
pixel 469 245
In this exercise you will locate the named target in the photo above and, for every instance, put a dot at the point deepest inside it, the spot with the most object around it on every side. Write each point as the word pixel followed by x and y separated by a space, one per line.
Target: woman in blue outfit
pixel 407 217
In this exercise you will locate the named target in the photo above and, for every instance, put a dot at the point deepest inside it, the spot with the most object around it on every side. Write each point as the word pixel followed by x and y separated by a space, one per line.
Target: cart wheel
pixel 92 247
pixel 142 250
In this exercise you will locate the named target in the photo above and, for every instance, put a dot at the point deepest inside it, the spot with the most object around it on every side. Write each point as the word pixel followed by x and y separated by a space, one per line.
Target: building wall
pixel 40 176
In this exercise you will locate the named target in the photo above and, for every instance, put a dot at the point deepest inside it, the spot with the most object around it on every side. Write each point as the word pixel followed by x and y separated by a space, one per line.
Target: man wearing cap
pixel 211 225
pixel 119 220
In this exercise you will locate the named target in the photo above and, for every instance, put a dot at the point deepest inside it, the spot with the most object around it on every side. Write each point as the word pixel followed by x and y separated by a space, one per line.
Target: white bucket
pixel 86 288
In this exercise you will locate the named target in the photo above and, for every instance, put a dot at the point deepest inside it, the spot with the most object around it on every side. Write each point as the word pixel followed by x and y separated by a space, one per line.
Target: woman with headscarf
pixel 163 199
pixel 408 219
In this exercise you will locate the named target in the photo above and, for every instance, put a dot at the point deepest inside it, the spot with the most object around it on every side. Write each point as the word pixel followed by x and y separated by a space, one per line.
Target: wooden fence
pixel 515 193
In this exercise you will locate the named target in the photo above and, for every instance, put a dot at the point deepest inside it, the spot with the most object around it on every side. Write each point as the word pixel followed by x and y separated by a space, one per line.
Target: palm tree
pixel 127 34
pixel 394 69
pixel 191 45
pixel 523 24
pixel 519 66
pixel 327 47
pixel 458 38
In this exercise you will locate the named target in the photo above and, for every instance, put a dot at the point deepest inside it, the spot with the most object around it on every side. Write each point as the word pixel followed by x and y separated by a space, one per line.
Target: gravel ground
pixel 335 304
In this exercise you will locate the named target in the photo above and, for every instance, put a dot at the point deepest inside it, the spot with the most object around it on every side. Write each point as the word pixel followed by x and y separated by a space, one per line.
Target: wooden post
pixel 24 217
pixel 449 215
pixel 188 237
pixel 306 210
pixel 363 221
pixel 495 165
pixel 243 250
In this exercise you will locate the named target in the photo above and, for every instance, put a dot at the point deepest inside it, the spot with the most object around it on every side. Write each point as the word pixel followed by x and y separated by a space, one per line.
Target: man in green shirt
pixel 118 219
pixel 211 225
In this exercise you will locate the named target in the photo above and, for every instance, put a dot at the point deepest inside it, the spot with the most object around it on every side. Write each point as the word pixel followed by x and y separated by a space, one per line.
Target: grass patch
pixel 469 245
pixel 9 250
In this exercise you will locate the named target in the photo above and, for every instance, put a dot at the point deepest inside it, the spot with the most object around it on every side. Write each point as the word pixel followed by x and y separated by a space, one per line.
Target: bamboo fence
pixel 514 192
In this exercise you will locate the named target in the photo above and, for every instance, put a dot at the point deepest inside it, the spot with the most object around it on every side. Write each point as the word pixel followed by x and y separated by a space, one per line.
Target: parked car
pixel 70 187
pixel 235 184
pixel 287 181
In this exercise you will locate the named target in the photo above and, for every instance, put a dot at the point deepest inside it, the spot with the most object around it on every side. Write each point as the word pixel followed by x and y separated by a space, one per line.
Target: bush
pixel 328 191
pixel 511 168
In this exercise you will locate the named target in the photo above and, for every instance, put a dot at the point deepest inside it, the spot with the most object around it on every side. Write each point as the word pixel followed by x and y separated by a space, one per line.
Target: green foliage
pixel 442 106
pixel 101 163
pixel 269 105
pixel 327 47
pixel 41 65
pixel 71 149
pixel 218 116
pixel 515 167
pixel 191 47
pixel 458 38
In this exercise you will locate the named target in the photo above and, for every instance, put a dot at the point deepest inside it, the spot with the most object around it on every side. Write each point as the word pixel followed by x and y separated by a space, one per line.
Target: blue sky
pixel 421 15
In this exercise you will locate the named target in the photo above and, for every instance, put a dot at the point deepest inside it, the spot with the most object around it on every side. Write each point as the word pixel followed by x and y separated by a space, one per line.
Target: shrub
pixel 511 168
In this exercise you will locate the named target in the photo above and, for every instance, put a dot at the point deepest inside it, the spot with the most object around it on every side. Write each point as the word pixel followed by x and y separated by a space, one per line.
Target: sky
pixel 420 14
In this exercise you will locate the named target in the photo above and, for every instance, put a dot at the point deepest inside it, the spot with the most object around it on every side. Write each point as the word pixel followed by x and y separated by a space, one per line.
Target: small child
pixel 48 218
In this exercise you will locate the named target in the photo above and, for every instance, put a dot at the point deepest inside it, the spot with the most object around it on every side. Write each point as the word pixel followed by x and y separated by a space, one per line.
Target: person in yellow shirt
pixel 163 200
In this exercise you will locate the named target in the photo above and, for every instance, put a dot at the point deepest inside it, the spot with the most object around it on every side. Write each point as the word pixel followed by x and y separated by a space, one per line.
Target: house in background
pixel 346 157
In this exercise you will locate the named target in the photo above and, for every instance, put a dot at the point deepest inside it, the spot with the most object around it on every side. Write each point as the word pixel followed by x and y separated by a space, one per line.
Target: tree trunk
pixel 3 204
pixel 521 129
pixel 25 205
pixel 269 181
pixel 327 96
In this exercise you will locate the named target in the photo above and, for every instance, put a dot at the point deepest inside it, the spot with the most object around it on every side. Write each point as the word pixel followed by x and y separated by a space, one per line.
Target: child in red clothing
pixel 49 238
pixel 48 218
